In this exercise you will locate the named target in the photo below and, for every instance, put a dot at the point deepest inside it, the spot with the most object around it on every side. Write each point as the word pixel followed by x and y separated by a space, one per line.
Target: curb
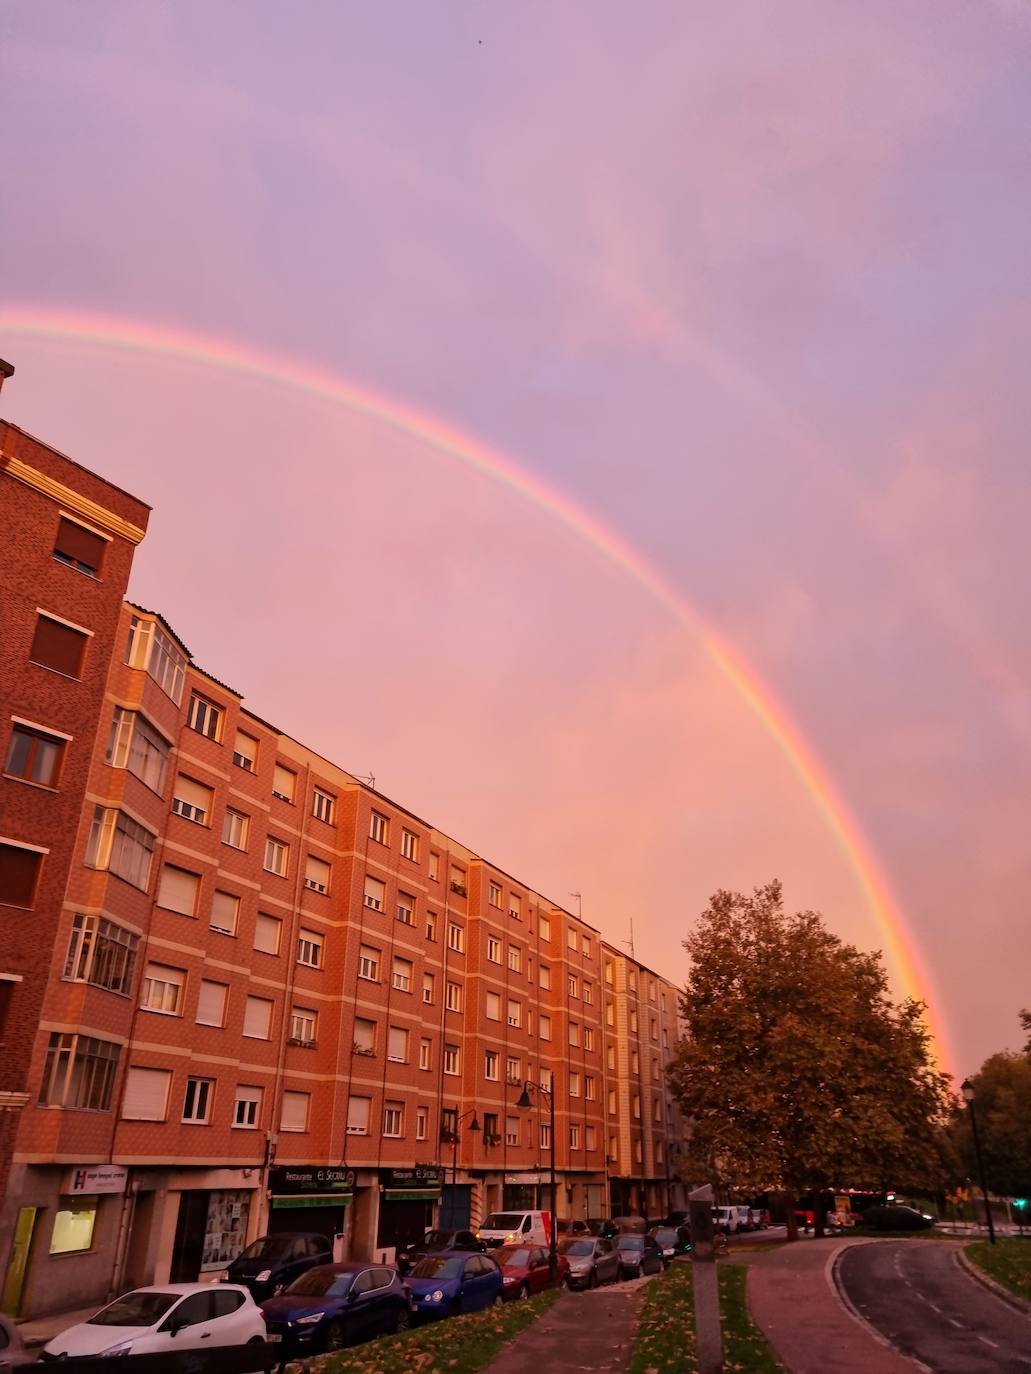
pixel 985 1280
pixel 830 1271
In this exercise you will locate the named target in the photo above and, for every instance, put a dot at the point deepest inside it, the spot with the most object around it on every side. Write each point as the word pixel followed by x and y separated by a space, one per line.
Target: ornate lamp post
pixel 967 1089
pixel 453 1137
pixel 524 1103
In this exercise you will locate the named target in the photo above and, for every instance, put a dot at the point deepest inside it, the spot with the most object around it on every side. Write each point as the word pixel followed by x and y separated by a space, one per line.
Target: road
pixel 917 1295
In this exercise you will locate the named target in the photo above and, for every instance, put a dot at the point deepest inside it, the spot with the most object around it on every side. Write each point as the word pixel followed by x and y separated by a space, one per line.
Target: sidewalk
pixel 592 1330
pixel 792 1298
pixel 36 1331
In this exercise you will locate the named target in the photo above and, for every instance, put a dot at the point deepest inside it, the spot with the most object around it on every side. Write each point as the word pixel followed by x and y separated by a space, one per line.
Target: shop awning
pixel 411 1194
pixel 312 1200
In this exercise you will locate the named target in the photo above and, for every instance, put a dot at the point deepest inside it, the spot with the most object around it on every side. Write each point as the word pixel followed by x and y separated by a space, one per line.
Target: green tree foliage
pixel 1002 1101
pixel 1025 1021
pixel 797 1069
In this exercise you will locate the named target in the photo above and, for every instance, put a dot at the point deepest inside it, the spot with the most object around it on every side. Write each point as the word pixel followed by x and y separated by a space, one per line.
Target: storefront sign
pixel 286 1180
pixel 96 1178
pixel 420 1177
pixel 526 1178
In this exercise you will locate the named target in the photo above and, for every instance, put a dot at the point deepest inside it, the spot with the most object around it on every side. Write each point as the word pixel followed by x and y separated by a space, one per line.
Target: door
pixel 190 1230
pixel 608 1261
pixel 18 1267
pixel 197 1323
pixel 361 1311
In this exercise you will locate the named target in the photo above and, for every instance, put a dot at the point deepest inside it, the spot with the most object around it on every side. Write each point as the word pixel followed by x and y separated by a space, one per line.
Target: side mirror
pixel 352 1295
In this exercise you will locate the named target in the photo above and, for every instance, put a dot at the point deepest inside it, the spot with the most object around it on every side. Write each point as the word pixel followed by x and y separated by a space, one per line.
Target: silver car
pixel 592 1260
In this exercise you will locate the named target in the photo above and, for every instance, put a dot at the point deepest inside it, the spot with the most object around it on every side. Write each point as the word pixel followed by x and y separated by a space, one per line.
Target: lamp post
pixel 523 1103
pixel 474 1125
pixel 967 1089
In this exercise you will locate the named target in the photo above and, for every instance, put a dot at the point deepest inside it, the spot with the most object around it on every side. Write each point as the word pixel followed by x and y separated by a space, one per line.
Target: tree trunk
pixel 789 1204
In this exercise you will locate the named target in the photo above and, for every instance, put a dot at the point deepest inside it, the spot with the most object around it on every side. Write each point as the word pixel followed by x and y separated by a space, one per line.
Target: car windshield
pixel 316 1283
pixel 136 1309
pixel 439 1267
pixel 577 1247
pixel 666 1236
pixel 267 1248
pixel 437 1240
pixel 517 1255
pixel 502 1221
pixel 631 1242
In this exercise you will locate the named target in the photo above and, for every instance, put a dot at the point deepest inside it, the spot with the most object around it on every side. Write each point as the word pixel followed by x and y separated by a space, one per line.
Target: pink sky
pixel 748 284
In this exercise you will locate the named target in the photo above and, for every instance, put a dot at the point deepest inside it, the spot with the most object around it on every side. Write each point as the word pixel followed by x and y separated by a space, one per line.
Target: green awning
pixel 411 1194
pixel 286 1200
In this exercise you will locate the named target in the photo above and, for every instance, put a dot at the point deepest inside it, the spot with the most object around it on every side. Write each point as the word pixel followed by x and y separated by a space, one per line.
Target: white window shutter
pixel 257 1018
pixel 211 1003
pixel 146 1094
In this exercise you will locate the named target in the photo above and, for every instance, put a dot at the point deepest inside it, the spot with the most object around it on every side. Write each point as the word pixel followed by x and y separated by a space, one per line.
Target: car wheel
pixel 402 1321
pixel 336 1336
pixel 524 1291
pixel 592 1282
pixel 498 1300
pixel 256 1340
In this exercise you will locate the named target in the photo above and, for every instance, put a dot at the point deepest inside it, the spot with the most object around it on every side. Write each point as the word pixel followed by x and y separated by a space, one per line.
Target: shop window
pixel 73 1227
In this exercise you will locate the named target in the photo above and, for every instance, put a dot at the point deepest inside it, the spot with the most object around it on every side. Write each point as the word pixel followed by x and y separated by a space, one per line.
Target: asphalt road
pixel 918 1296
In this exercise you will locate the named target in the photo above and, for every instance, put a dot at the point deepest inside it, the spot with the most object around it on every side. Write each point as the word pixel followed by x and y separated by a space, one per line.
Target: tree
pixel 1025 1021
pixel 797 1069
pixel 1002 1089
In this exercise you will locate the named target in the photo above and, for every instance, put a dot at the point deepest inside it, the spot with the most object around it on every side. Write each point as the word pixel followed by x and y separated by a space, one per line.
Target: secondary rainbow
pixel 33 322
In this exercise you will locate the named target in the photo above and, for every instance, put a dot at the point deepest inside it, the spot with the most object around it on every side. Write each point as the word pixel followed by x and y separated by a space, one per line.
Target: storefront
pixel 312 1199
pixel 211 1230
pixel 406 1205
pixel 527 1192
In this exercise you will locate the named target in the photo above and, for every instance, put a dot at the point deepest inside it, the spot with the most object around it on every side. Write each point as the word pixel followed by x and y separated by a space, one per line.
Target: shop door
pixel 403 1222
pixel 189 1236
pixel 456 1207
pixel 15 1281
pixel 318 1221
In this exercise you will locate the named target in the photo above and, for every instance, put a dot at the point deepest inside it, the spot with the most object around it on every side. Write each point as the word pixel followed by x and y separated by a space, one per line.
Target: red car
pixel 525 1270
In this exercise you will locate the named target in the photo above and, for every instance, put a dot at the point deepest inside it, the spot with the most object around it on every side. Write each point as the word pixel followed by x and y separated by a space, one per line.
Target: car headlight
pixel 309 1321
pixel 263 1277
pixel 123 1348
pixel 437 1295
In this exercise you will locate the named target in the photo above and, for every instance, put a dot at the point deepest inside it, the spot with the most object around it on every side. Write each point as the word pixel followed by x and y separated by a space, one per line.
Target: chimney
pixel 6 370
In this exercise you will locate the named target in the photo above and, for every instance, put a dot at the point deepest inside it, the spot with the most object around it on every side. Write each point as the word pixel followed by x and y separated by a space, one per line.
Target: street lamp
pixel 524 1103
pixel 445 1135
pixel 967 1089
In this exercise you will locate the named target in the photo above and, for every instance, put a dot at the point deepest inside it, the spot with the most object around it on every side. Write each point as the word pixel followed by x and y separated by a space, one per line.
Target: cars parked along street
pixel 592 1260
pixel 271 1263
pixel 436 1243
pixel 526 1269
pixel 638 1255
pixel 171 1317
pixel 895 1217
pixel 672 1240
pixel 336 1305
pixel 601 1226
pixel 12 1352
pixel 447 1284
pixel 511 1228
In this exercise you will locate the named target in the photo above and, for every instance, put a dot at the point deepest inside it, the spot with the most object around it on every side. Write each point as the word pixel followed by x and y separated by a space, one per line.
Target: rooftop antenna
pixel 371 780
pixel 630 943
pixel 579 905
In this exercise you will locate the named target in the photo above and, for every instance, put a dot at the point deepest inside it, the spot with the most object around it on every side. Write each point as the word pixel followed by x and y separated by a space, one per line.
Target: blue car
pixel 337 1305
pixel 445 1285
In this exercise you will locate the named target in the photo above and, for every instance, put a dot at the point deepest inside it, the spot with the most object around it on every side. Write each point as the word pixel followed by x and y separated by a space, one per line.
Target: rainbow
pixel 430 431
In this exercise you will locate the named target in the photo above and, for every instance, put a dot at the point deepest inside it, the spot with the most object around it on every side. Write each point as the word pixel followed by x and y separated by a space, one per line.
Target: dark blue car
pixel 337 1305
pixel 444 1285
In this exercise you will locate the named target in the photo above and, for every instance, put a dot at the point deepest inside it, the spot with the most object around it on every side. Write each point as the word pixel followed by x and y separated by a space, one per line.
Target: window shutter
pixel 316 874
pixel 194 793
pixel 266 934
pixel 178 890
pixel 283 781
pixel 18 870
pixel 225 907
pixel 374 892
pixel 58 646
pixel 257 1017
pixel 79 545
pixel 146 1094
pixel 211 1004
pixel 358 1115
pixel 295 1112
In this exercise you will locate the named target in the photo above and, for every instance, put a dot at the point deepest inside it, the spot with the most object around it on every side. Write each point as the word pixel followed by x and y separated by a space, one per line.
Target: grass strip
pixel 1008 1262
pixel 745 1348
pixel 665 1341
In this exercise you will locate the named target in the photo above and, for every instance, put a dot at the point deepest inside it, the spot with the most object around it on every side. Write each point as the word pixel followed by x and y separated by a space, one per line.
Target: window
pixel 102 953
pixel 574 1136
pixel 410 845
pixel 657 1111
pixel 277 856
pixel 402 976
pixel 34 755
pixel 453 996
pixel 59 645
pixel 547 1079
pixel 19 872
pixel 431 925
pixel 456 938
pixel 588 1038
pixel 610 1014
pixel 493 1007
pixel 635 1063
pixel 205 716
pixel 571 938
pixel 514 1069
pixel 197 1100
pixel 247 1106
pixel 368 963
pixel 511 1130
pixel 545 976
pixel 364 1036
pixel 515 958
pixel 323 806
pixel 309 948
pixel 80 546
pixel 428 990
pixel 406 908
pixel 234 828
pixel 655 1070
pixel 608 971
pixel 612 1102
pixel 493 949
pixel 494 894
pixel 73 1227
pixel 544 928
pixel 588 994
pixel 178 890
pixel 545 1026
pixel 121 845
pixel 150 648
pixel 573 985
pixel 397 1045
pixel 637 1152
pixel 515 906
pixel 211 1003
pixel 659 1152
pixel 192 800
pixel 257 1018
pixel 633 1020
pixel 374 892
pixel 574 1033
pixel 590 1087
pixel 245 752
pixel 654 1029
pixel 452 1059
pixel 293 1114
pixel 585 946
pixel 379 828
pixel 79 1072
pixel 284 781
pixel 434 865
pixel 545 1135
pixel 162 989
pixel 591 1134
pixel 393 1119
pixel 145 1096
pixel 316 874
pixel 515 1012
pixel 613 1147
pixel 457 884
pixel 637 1107
pixel 304 1026
pixel 574 1085
pixel 358 1115
pixel 225 911
pixel 491 1065
pixel 425 1052
pixel 610 1057
pixel 268 931
pixel 422 1118
pixel 135 744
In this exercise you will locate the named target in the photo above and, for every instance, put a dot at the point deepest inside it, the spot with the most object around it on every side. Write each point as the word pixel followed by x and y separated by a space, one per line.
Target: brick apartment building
pixel 242 991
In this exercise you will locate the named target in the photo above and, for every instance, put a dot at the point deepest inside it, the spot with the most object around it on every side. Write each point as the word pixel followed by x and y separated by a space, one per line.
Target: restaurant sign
pixel 285 1180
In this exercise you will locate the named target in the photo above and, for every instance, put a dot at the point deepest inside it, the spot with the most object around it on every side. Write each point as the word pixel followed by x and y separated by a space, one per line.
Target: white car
pixel 169 1316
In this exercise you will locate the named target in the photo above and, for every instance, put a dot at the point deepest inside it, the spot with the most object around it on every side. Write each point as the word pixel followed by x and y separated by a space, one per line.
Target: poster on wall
pixel 226 1229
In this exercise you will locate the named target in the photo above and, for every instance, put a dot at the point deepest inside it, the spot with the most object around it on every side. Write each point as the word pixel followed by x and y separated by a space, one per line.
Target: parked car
pixel 446 1284
pixel 672 1240
pixel 271 1263
pixel 725 1220
pixel 592 1260
pixel 12 1350
pixel 744 1218
pixel 335 1305
pixel 760 1218
pixel 572 1226
pixel 896 1217
pixel 526 1269
pixel 638 1255
pixel 681 1218
pixel 170 1317
pixel 634 1226
pixel 508 1228
pixel 437 1242
pixel 601 1226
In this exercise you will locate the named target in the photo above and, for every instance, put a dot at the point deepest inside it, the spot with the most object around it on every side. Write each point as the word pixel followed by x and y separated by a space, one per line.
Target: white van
pixel 725 1219
pixel 508 1228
